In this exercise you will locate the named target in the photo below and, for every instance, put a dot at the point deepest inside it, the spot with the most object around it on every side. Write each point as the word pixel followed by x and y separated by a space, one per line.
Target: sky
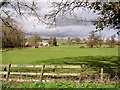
pixel 64 28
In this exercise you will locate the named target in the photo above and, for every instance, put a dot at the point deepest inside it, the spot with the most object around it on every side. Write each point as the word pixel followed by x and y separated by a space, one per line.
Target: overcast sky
pixel 65 28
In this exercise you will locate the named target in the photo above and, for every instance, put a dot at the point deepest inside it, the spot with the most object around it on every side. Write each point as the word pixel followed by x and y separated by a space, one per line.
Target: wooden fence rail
pixel 45 74
pixel 39 66
pixel 42 73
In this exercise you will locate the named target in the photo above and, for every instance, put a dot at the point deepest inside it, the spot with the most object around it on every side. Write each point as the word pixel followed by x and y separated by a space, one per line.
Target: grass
pixel 53 55
pixel 107 58
pixel 64 55
pixel 60 85
pixel 92 65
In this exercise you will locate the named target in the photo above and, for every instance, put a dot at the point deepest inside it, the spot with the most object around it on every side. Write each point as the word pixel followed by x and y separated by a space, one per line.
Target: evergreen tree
pixel 55 41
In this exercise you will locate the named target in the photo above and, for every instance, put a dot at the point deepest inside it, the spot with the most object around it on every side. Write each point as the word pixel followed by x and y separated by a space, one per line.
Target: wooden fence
pixel 7 72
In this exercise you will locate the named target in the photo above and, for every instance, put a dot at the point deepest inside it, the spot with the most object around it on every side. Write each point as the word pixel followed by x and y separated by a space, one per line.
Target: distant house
pixel 27 44
pixel 43 44
pixel 39 44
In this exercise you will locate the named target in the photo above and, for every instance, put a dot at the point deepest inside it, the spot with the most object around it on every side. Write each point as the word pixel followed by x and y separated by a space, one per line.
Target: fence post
pixel 101 74
pixel 8 74
pixel 5 70
pixel 42 71
pixel 81 73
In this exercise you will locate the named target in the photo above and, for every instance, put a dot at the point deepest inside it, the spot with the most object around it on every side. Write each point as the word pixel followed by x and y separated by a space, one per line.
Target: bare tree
pixel 63 8
pixel 111 42
pixel 94 39
pixel 11 36
pixel 109 16
pixel 20 8
pixel 69 41
pixel 107 41
pixel 60 8
pixel 108 12
pixel 33 40
pixel 90 43
pixel 77 39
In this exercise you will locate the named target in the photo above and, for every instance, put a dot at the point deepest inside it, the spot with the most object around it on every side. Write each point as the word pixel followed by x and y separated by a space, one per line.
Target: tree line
pixel 34 39
pixel 94 40
pixel 13 37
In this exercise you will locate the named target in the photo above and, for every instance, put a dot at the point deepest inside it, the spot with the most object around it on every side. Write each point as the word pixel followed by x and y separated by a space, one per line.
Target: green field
pixel 53 55
pixel 59 85
pixel 106 58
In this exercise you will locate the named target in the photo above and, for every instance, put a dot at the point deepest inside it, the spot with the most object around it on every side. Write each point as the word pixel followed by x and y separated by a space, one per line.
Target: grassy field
pixel 108 86
pixel 54 55
pixel 63 55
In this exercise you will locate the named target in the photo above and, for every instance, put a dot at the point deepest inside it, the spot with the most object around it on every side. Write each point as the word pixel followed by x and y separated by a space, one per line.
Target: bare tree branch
pixel 3 2
pixel 17 6
pixel 63 8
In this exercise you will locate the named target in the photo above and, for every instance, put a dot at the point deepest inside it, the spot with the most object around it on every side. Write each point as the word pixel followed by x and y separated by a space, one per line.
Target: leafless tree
pixel 20 8
pixel 11 37
pixel 59 8
pixel 94 39
pixel 111 42
pixel 62 8
pixel 33 40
